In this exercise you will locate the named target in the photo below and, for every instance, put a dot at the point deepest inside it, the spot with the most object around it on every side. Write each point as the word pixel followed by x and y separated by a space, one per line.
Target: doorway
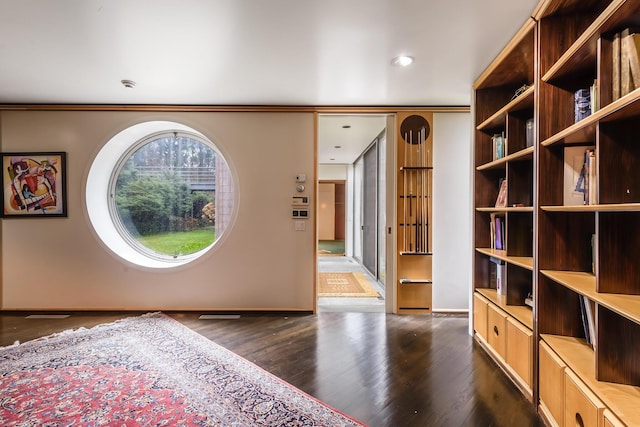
pixel 351 207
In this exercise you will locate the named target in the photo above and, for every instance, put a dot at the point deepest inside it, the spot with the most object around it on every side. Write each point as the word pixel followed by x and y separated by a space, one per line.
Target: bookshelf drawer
pixel 520 349
pixel 582 407
pixel 497 330
pixel 480 306
pixel 551 375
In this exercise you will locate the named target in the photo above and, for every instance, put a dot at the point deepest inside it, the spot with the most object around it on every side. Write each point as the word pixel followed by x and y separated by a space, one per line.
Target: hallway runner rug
pixel 345 285
pixel 146 371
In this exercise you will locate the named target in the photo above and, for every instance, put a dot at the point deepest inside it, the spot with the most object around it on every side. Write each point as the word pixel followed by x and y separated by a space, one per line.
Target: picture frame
pixel 34 184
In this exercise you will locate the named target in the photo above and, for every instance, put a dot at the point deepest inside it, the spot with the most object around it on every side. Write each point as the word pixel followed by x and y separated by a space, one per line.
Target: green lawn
pixel 181 242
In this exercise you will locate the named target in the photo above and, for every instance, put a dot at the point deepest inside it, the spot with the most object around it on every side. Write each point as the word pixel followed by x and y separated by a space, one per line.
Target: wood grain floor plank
pixel 386 370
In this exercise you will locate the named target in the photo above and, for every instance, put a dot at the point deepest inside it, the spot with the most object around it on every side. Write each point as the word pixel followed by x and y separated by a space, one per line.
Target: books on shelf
pixel 626 63
pixel 499 145
pixel 587 308
pixel 501 200
pixel 593 254
pixel 585 102
pixel 497 232
pixel 498 275
pixel 580 176
pixel 615 66
pixel 591 193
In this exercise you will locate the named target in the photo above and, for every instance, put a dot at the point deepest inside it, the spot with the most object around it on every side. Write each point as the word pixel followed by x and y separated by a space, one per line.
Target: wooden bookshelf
pixel 577 259
pixel 504 101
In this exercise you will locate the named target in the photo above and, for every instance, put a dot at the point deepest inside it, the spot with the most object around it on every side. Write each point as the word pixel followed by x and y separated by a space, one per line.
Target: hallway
pixel 344 264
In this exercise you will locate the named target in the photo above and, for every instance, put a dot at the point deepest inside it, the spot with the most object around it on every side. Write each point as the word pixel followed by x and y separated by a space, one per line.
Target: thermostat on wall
pixel 299 200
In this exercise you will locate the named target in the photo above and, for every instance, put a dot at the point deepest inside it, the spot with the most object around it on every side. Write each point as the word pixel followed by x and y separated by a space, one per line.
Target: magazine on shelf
pixel 579 175
pixel 501 200
pixel 625 55
pixel 498 270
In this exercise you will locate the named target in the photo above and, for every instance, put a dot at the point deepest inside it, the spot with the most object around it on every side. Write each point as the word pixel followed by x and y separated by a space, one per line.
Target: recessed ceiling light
pixel 129 84
pixel 402 60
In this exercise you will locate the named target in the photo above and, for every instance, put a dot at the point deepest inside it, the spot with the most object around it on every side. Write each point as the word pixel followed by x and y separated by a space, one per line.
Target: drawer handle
pixel 495 329
pixel 579 422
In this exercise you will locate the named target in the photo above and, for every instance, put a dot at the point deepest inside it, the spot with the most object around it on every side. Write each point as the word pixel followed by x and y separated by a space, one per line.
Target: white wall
pixel 332 172
pixel 263 263
pixel 451 211
pixel 260 263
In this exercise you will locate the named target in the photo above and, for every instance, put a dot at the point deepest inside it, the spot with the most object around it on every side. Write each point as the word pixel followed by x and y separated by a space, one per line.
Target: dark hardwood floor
pixel 385 370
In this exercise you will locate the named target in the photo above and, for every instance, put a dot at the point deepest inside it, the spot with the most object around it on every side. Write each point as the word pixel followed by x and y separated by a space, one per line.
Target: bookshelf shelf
pixel 414 281
pixel 523 262
pixel 507 209
pixel 522 102
pixel 623 108
pixel 616 207
pixel 403 253
pixel 585 284
pixel 415 168
pixel 525 154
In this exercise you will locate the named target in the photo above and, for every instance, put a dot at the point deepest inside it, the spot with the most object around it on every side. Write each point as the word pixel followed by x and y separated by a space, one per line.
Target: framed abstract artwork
pixel 34 185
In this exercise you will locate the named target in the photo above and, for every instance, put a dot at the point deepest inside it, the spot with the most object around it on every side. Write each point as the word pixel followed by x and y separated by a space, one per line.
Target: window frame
pixel 99 191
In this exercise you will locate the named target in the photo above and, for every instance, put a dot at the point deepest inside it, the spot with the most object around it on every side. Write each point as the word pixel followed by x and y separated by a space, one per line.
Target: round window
pixel 169 194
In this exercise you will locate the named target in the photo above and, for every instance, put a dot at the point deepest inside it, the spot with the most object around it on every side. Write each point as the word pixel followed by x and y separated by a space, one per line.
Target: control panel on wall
pixel 300 203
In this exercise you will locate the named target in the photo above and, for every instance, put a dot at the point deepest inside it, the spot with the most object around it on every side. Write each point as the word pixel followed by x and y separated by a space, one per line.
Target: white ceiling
pixel 340 145
pixel 250 52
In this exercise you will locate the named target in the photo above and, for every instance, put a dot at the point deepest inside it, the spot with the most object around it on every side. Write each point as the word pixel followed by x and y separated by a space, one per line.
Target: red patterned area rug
pixel 146 371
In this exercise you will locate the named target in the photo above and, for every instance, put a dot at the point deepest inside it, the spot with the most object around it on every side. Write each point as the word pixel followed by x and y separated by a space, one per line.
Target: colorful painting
pixel 34 184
